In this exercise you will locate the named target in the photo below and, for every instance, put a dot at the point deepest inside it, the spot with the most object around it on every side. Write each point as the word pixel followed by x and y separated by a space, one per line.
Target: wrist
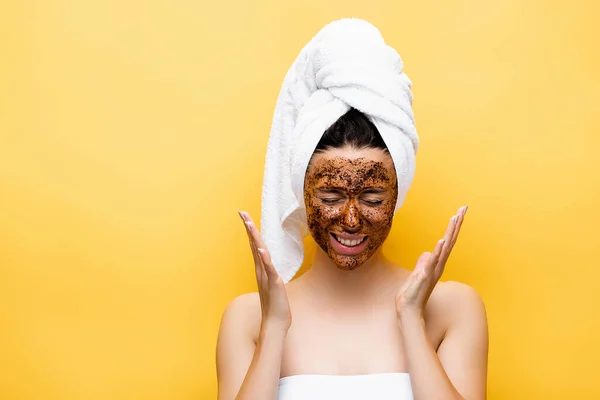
pixel 410 316
pixel 272 330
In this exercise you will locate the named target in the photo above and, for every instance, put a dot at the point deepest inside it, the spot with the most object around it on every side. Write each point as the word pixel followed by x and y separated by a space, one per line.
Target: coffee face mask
pixel 350 196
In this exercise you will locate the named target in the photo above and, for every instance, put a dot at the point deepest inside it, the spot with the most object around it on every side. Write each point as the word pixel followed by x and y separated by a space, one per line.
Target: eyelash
pixel 369 202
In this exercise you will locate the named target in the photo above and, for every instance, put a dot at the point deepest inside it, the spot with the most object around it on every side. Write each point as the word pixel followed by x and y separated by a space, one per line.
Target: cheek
pixel 379 217
pixel 319 215
pixel 383 216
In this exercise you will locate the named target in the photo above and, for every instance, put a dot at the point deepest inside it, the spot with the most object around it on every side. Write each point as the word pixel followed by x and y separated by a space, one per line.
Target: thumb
pixel 423 260
pixel 272 274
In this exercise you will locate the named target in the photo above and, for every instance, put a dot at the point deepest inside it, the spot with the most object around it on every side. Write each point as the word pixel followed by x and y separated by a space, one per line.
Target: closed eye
pixel 330 201
pixel 373 202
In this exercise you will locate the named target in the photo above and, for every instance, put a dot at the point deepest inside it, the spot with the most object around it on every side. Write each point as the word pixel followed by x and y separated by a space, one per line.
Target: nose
pixel 350 218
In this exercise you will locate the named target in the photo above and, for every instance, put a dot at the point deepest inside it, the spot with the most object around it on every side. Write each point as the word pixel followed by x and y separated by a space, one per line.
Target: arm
pixel 247 370
pixel 459 369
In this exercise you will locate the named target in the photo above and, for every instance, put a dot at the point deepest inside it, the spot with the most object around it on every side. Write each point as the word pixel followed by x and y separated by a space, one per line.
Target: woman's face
pixel 350 195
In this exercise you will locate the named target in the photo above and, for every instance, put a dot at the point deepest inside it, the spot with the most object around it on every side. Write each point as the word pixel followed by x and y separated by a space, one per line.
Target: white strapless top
pixel 388 386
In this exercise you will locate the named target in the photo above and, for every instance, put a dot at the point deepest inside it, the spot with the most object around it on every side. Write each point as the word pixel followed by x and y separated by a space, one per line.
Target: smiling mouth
pixel 349 242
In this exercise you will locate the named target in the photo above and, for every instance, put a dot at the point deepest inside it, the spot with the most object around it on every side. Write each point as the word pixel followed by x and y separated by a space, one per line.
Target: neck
pixel 375 279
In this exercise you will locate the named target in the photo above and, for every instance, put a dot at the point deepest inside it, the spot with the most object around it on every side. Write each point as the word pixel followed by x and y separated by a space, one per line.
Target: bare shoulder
pixel 458 293
pixel 457 301
pixel 244 312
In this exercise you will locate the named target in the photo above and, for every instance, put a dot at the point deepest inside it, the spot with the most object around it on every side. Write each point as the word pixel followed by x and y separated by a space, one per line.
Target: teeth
pixel 349 243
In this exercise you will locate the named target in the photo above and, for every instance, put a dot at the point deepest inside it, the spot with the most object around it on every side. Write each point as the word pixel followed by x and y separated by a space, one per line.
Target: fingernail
pixel 240 214
pixel 465 211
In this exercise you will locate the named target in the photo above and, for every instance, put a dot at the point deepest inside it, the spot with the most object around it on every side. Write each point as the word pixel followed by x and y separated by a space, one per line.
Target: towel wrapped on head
pixel 346 65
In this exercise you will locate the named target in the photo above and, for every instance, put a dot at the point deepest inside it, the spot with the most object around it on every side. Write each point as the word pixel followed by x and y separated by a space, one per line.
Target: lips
pixel 349 245
pixel 349 240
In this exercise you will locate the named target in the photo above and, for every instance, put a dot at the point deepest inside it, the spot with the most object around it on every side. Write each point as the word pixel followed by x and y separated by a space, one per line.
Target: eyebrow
pixel 330 189
pixel 374 190
pixel 335 190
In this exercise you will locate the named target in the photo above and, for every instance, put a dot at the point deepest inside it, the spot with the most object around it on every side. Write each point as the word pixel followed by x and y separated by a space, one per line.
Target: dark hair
pixel 353 129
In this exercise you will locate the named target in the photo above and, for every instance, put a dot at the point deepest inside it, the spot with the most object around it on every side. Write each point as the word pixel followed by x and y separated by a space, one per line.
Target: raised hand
pixel 274 302
pixel 414 293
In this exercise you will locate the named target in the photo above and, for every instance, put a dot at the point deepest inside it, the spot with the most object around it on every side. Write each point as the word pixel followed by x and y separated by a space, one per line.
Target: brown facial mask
pixel 350 197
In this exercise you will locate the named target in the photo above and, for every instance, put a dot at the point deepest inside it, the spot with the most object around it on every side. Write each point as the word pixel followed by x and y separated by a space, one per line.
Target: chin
pixel 347 263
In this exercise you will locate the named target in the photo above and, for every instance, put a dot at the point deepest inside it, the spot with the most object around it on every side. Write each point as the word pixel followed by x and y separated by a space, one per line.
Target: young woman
pixel 354 326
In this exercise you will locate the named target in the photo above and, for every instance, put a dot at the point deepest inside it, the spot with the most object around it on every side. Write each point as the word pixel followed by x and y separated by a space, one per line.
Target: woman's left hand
pixel 412 297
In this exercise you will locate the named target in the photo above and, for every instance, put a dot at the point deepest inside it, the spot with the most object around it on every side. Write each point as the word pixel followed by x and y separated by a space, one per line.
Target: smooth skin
pixel 392 320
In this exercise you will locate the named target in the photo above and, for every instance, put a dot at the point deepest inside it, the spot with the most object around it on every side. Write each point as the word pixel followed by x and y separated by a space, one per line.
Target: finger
pixel 451 235
pixel 256 244
pixel 450 228
pixel 258 268
pixel 406 287
pixel 260 277
pixel 416 272
pixel 437 252
pixel 425 264
pixel 458 220
pixel 258 240
pixel 257 264
pixel 269 267
pixel 254 254
pixel 461 214
pixel 250 240
pixel 423 260
pixel 426 277
pixel 416 281
pixel 438 264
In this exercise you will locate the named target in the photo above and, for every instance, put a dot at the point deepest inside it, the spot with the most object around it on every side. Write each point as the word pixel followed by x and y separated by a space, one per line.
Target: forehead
pixel 349 164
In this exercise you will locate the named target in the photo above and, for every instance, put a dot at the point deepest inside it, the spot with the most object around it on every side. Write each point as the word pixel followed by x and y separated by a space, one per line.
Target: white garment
pixel 347 64
pixel 389 386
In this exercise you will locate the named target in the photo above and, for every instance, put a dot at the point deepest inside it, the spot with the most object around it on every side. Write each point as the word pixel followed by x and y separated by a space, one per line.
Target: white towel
pixel 347 64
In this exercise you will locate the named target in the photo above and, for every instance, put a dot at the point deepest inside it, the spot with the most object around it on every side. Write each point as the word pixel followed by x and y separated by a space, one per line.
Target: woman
pixel 363 328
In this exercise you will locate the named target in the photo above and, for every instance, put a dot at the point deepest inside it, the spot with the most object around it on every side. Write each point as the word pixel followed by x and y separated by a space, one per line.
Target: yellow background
pixel 131 133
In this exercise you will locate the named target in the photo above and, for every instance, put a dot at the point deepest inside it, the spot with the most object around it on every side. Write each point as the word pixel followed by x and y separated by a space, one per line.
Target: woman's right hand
pixel 274 302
